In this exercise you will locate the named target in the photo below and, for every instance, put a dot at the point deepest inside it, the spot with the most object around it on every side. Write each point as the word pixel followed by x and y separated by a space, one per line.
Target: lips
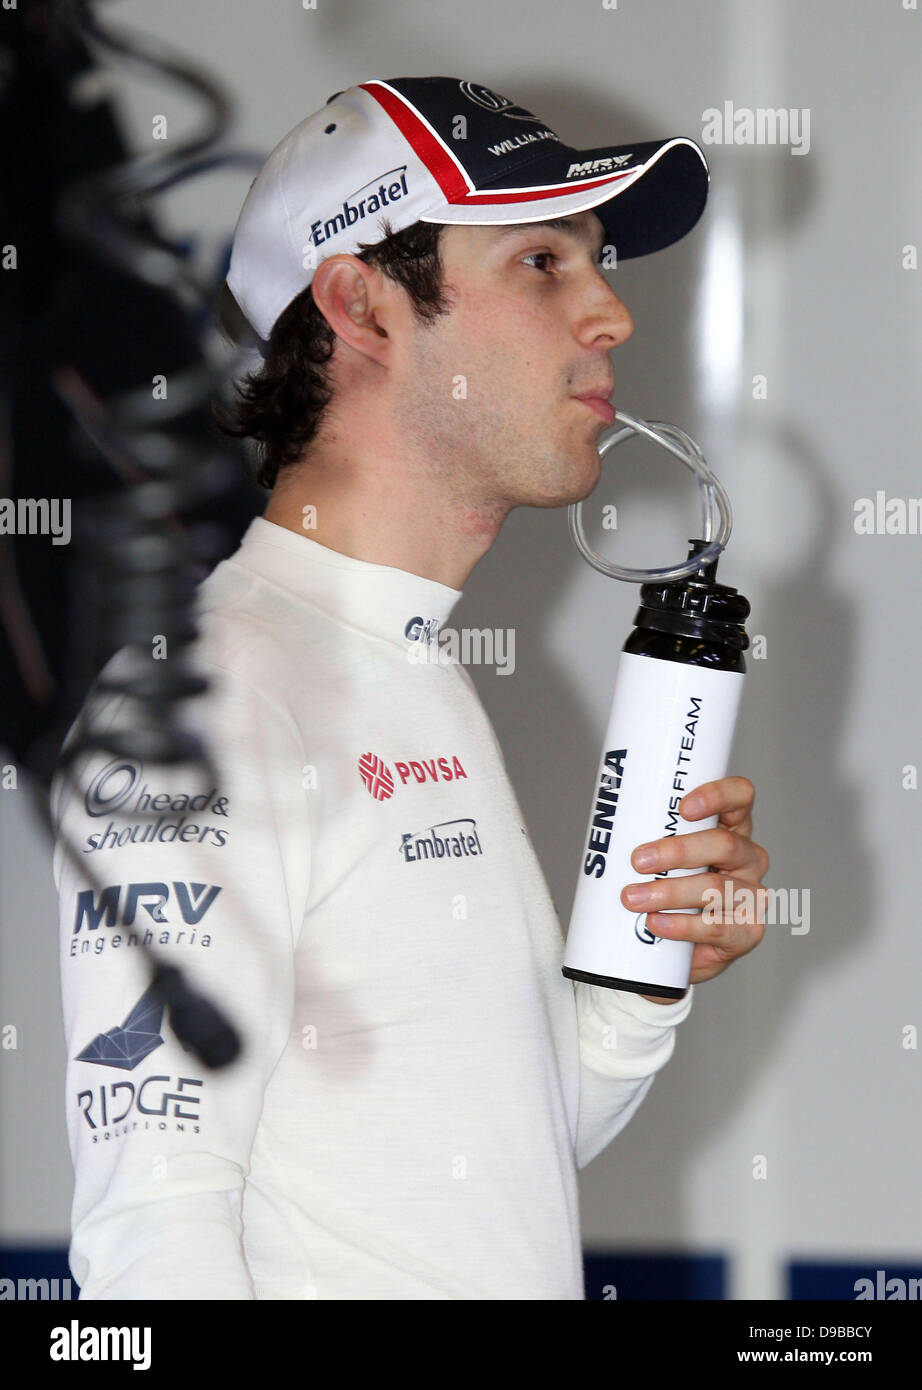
pixel 600 404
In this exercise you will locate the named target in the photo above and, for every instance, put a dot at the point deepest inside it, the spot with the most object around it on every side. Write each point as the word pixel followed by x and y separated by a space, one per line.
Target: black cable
pixel 141 560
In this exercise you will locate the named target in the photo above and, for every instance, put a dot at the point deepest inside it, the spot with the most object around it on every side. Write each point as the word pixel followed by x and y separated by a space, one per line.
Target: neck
pixel 385 504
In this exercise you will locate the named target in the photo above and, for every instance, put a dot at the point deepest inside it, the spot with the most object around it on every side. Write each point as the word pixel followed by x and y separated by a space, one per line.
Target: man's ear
pixel 352 298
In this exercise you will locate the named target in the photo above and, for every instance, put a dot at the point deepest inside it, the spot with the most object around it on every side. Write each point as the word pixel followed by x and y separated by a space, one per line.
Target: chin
pixel 571 482
pixel 586 476
pixel 595 474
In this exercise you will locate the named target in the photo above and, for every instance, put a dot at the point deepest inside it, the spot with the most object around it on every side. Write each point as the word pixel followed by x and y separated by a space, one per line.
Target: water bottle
pixel 671 726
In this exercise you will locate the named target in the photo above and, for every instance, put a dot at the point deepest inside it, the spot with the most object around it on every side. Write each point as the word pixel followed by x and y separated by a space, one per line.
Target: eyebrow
pixel 580 230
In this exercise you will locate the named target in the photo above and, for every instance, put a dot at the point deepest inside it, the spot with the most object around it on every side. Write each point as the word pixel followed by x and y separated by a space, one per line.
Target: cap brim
pixel 646 205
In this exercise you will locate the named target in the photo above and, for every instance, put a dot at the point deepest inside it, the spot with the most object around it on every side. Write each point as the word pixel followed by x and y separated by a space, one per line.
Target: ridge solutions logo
pixel 123 1048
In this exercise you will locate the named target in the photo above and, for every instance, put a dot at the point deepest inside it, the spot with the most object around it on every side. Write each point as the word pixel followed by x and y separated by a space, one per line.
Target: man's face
pixel 487 393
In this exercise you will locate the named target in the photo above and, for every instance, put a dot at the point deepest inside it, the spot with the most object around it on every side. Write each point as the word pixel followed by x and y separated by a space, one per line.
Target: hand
pixel 720 936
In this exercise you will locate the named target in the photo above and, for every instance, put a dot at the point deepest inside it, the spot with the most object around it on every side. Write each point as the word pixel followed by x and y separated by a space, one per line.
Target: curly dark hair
pixel 281 403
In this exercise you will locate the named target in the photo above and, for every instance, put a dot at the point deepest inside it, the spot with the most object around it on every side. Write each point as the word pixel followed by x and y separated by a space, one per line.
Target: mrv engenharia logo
pixel 161 914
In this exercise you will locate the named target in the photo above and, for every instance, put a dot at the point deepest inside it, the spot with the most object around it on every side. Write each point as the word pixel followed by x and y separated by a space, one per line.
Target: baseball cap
pixel 443 150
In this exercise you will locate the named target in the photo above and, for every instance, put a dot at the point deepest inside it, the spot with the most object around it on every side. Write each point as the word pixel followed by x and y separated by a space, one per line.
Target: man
pixel 419 1083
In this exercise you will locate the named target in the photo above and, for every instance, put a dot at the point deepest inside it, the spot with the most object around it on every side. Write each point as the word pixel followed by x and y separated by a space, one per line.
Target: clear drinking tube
pixel 716 513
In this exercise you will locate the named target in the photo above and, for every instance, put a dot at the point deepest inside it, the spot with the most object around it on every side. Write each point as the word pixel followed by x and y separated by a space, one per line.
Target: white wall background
pixel 794 273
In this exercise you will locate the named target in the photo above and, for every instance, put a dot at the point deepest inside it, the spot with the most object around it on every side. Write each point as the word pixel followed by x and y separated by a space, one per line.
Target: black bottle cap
pixel 696 606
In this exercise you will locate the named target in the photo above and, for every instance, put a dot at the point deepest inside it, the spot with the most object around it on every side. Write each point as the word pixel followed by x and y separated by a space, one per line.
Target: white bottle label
pixel 670 730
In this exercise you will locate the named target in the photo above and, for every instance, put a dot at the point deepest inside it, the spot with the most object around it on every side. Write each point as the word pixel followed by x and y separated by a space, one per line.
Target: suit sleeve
pixel 214 880
pixel 624 1039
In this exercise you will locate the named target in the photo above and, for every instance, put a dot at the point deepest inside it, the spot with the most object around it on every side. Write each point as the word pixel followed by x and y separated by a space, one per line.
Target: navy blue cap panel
pixel 497 132
pixel 506 147
pixel 660 207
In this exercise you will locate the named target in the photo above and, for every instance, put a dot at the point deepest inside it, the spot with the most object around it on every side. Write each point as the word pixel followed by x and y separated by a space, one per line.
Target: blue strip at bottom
pixel 37 1272
pixel 637 1276
pixel 877 1279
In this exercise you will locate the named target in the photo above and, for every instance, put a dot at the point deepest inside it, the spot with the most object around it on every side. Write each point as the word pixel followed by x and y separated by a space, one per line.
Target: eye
pixel 541 256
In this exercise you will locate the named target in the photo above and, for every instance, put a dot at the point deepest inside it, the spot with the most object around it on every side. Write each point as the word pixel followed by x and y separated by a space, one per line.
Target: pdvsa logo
pixel 377 776
pixel 379 780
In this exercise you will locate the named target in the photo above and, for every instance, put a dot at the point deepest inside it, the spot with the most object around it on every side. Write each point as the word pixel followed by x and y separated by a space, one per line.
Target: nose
pixel 608 323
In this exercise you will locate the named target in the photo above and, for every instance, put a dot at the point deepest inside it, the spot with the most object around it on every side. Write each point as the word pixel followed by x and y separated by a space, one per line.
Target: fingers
pixel 731 798
pixel 727 939
pixel 690 891
pixel 731 919
pixel 720 847
pixel 719 898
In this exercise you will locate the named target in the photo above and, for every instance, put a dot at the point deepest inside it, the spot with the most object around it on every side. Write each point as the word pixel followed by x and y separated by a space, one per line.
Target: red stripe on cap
pixel 532 195
pixel 440 164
